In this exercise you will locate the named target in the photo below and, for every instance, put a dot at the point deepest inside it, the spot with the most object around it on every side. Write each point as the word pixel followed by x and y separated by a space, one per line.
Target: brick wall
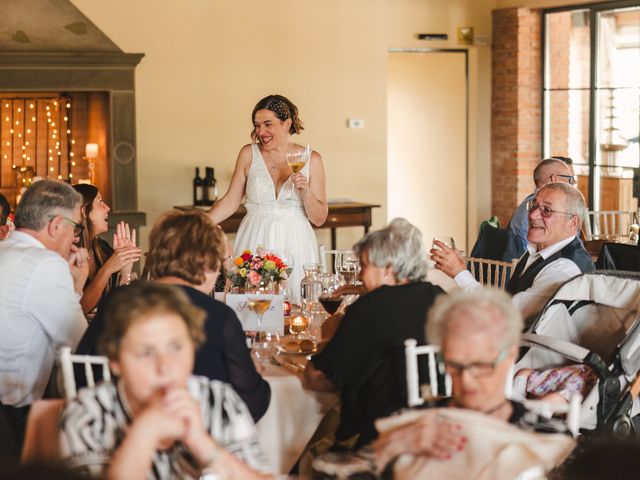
pixel 516 134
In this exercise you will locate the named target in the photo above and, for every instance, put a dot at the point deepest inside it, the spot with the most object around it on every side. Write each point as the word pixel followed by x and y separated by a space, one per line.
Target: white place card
pixel 273 318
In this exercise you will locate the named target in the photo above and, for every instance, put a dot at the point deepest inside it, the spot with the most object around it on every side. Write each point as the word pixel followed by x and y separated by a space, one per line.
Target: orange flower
pixel 238 261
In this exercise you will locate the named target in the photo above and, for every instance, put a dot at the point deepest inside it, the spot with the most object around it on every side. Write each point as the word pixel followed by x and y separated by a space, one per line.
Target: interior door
pixel 427 142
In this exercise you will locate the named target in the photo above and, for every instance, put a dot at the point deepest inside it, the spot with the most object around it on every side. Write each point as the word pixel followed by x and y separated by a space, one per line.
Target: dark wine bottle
pixel 198 189
pixel 210 187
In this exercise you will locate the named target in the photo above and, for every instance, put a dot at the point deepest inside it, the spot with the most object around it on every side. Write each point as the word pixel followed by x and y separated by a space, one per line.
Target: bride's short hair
pixel 283 108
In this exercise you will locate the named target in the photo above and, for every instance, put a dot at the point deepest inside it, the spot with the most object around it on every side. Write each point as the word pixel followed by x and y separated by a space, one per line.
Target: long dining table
pixel 292 418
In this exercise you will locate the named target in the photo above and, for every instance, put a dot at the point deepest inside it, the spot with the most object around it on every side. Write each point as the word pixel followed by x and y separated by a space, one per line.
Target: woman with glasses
pixel 478 332
pixel 105 262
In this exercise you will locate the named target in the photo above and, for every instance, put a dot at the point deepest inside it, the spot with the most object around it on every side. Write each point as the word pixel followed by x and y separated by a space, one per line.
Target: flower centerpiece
pixel 259 269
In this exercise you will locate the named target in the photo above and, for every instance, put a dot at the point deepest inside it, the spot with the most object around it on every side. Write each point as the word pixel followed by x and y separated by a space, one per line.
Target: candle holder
pixel 90 155
pixel 299 325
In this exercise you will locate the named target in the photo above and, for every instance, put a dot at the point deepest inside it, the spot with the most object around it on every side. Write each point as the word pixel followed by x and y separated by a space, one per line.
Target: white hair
pixel 400 246
pixel 483 309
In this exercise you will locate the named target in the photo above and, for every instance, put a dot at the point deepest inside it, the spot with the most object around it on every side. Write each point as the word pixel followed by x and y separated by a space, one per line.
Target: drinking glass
pixel 296 159
pixel 348 266
pixel 259 304
pixel 447 240
pixel 265 345
pixel 330 282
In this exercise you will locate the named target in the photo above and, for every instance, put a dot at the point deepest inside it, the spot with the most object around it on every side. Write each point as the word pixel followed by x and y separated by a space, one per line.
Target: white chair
pixel 495 273
pixel 607 224
pixel 67 360
pixel 411 352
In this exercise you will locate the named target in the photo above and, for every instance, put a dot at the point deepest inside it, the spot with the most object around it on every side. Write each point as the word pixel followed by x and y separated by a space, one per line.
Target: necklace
pixel 497 407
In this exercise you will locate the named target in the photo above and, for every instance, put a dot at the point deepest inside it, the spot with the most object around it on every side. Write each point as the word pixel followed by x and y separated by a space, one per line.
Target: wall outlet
pixel 355 122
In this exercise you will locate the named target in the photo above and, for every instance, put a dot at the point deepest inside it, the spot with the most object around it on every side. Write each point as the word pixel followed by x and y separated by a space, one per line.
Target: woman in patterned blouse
pixel 157 420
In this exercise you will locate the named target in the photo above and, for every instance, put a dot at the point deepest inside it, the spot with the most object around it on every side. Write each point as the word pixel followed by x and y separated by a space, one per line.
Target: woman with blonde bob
pixel 157 420
pixel 186 249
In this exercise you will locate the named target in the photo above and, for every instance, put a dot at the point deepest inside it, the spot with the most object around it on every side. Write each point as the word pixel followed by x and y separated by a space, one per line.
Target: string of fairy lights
pixel 37 140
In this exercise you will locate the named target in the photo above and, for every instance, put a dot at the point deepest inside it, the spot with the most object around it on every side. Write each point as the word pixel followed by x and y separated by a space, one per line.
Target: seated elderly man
pixel 550 170
pixel 365 358
pixel 554 253
pixel 5 210
pixel 42 274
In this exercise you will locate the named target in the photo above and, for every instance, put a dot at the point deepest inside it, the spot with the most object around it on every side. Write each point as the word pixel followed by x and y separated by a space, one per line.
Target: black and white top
pixel 93 426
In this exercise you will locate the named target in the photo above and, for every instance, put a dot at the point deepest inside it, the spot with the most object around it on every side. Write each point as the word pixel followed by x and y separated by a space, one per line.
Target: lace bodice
pixel 261 190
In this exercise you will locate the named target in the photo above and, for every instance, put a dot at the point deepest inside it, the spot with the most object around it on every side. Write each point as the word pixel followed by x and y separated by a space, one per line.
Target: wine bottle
pixel 210 187
pixel 198 189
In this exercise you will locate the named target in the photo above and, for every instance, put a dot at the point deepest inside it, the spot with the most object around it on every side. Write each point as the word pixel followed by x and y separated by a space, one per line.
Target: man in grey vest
pixel 554 253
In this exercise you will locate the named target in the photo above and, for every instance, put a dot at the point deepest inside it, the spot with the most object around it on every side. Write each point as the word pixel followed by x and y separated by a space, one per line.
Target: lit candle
pixel 298 324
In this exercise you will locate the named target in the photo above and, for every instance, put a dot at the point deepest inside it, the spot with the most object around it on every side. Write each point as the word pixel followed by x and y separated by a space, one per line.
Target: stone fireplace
pixel 49 50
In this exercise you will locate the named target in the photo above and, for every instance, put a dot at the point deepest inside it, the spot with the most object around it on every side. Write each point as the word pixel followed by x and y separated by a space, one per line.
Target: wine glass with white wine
pixel 296 159
pixel 259 304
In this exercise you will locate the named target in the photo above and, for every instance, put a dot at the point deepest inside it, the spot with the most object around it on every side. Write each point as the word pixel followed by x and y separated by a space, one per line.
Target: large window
pixel 591 93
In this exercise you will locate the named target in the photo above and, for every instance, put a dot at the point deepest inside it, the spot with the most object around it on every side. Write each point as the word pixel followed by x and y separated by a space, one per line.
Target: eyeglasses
pixel 475 369
pixel 545 211
pixel 571 180
pixel 77 227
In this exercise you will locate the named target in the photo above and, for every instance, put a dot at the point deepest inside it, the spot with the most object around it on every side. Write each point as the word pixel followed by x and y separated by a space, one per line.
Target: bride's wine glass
pixel 259 304
pixel 296 159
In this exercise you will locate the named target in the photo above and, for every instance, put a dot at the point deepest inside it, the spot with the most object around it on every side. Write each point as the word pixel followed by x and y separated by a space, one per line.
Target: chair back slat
pixel 495 273
pixel 67 361
pixel 607 224
pixel 412 351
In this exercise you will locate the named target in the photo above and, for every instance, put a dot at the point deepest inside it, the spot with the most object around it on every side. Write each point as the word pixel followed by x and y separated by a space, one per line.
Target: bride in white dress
pixel 280 204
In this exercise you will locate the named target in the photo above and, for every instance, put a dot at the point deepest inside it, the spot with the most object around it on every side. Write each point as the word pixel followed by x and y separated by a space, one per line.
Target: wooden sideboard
pixel 347 214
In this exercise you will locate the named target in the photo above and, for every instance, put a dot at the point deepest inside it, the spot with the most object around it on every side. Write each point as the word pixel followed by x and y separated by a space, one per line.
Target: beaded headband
pixel 280 108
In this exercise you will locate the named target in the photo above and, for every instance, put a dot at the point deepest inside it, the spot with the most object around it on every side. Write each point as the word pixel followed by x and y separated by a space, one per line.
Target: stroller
pixel 594 319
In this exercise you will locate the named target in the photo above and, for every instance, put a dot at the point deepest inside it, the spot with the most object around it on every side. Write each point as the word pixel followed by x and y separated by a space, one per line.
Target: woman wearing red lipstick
pixel 105 262
pixel 281 205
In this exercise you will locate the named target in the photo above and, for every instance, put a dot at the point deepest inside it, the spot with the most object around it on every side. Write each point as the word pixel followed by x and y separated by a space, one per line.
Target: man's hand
pixel 79 267
pixel 447 259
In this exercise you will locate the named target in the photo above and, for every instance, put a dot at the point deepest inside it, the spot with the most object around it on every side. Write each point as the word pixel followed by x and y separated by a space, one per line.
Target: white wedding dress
pixel 277 221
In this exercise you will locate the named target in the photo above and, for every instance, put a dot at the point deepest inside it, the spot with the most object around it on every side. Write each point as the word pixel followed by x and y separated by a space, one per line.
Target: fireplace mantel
pixel 52 47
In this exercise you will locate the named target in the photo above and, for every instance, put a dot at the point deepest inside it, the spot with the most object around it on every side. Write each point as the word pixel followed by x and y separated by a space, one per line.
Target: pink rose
pixel 254 277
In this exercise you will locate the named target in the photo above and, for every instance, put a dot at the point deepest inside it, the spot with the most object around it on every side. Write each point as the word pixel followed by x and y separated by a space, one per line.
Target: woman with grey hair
pixel 365 358
pixel 478 332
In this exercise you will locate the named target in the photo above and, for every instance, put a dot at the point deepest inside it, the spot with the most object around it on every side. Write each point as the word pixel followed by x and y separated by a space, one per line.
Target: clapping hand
pixel 126 253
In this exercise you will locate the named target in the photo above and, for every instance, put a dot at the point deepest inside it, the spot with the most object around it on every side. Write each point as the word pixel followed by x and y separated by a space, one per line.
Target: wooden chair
pixel 494 273
pixel 67 361
pixel 607 224
pixel 411 352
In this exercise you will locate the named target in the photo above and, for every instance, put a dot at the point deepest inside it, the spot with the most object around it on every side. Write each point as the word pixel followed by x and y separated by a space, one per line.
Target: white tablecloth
pixel 291 419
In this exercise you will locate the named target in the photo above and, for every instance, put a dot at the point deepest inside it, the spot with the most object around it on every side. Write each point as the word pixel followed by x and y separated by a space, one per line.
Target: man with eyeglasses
pixel 554 253
pixel 554 169
pixel 42 273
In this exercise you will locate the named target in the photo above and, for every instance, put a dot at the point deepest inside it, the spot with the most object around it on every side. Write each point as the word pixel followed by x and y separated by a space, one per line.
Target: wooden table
pixel 344 214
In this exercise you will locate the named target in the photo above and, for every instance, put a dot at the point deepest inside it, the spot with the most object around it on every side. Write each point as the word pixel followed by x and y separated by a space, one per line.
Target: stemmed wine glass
pixel 258 304
pixel 265 345
pixel 296 159
pixel 447 240
pixel 330 282
pixel 348 266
